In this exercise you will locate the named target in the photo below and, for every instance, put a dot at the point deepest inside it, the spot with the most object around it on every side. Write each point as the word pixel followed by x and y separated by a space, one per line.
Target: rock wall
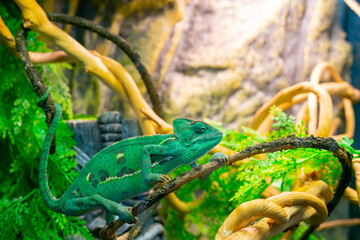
pixel 236 55
pixel 219 59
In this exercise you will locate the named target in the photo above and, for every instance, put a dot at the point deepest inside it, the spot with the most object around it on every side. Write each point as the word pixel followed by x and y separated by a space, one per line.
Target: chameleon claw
pixel 219 157
pixel 163 178
pixel 222 158
pixel 160 184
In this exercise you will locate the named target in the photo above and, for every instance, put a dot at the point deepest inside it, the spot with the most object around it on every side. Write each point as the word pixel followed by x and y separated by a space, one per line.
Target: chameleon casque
pixel 128 167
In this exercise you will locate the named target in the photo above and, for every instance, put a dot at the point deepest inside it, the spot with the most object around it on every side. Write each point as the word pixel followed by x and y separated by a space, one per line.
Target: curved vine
pixel 122 44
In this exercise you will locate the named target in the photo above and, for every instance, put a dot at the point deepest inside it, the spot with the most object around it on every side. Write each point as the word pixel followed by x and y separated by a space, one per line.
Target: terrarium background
pixel 218 59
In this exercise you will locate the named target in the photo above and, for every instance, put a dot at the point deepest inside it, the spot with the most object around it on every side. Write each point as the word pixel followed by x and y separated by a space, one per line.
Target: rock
pixel 218 59
pixel 110 117
pixel 81 158
pixel 110 127
pixel 86 135
pixel 154 231
pixel 131 128
pixel 236 55
pixel 110 137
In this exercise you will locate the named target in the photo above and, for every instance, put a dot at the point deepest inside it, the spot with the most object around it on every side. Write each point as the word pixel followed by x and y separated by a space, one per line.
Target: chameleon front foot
pixel 220 157
pixel 154 178
pixel 163 178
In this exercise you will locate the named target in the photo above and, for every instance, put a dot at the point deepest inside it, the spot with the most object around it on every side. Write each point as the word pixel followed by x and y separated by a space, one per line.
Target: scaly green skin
pixel 128 167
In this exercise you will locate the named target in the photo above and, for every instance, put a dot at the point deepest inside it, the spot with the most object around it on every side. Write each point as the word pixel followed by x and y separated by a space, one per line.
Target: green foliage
pixel 346 143
pixel 284 125
pixel 30 218
pixel 84 117
pixel 23 213
pixel 53 75
pixel 301 230
pixel 228 187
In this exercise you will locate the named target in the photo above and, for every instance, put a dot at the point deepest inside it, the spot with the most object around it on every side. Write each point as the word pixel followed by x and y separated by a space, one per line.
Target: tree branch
pixel 290 142
pixel 35 78
pixel 339 223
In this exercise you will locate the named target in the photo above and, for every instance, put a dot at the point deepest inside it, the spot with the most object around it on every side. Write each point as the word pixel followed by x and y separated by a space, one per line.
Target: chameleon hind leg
pixel 83 204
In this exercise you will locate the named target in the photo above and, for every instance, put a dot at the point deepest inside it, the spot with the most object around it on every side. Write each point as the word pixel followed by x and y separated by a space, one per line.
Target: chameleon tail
pixel 52 202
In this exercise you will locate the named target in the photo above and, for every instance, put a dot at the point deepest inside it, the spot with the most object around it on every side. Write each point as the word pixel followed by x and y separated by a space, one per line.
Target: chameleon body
pixel 127 167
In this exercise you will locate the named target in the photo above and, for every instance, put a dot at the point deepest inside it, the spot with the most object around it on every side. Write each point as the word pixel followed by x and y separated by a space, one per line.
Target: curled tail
pixel 52 202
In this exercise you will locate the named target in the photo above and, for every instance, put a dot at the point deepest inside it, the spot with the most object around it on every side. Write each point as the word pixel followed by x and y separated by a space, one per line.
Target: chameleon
pixel 128 167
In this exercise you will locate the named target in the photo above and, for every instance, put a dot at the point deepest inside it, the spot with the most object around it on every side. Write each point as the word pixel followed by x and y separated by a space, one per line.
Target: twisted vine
pixel 123 45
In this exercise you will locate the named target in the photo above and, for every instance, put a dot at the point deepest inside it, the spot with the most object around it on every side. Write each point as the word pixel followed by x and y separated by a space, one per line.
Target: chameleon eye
pixel 199 128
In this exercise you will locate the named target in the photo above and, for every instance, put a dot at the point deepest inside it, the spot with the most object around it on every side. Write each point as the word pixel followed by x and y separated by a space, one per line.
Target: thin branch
pixel 339 223
pixel 122 44
pixel 35 78
pixel 290 142
pixel 354 5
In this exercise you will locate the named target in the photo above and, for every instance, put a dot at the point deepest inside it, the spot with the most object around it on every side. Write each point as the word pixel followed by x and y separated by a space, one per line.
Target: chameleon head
pixel 196 136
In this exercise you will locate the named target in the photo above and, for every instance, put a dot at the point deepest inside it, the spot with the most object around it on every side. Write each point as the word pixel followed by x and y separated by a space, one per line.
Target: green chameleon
pixel 128 167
